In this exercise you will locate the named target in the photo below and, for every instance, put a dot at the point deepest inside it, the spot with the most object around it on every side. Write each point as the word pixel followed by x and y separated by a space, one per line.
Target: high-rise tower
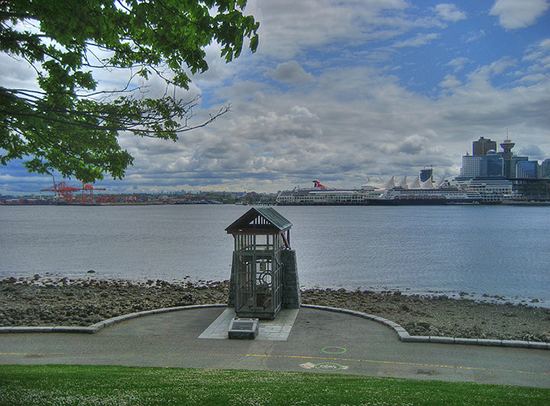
pixel 507 154
pixel 507 146
pixel 482 146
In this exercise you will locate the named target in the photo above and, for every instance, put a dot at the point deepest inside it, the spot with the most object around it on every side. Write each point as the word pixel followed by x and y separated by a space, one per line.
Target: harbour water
pixel 491 250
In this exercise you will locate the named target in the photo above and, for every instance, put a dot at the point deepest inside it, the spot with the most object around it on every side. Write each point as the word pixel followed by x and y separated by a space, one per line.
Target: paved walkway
pixel 319 341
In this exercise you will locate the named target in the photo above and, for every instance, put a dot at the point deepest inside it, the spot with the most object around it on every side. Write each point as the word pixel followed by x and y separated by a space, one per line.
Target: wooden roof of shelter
pixel 275 221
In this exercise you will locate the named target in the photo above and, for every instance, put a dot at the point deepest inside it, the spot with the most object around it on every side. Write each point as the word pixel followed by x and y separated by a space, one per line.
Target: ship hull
pixel 407 202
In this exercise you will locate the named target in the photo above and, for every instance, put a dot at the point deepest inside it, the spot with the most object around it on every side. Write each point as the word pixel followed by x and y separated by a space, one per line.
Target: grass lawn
pixel 108 385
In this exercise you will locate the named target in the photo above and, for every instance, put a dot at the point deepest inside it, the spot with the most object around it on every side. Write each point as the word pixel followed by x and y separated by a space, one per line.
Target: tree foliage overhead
pixel 66 123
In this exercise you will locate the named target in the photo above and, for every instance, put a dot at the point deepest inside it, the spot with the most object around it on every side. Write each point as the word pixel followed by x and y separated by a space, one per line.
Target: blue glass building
pixel 527 169
pixel 494 164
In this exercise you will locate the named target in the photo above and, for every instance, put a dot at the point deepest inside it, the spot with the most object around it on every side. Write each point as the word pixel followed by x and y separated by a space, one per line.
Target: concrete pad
pixel 269 330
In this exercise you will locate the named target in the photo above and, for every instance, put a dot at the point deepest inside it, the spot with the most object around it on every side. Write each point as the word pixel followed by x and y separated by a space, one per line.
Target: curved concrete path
pixel 319 341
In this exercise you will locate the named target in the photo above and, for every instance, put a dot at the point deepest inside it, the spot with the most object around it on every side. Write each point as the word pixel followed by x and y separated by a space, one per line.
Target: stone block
pixel 492 342
pixel 466 341
pixel 515 343
pixel 539 345
pixel 442 340
pixel 243 328
pixel 416 339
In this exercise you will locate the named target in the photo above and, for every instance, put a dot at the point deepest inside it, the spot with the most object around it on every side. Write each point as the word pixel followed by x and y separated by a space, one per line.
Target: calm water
pixel 493 250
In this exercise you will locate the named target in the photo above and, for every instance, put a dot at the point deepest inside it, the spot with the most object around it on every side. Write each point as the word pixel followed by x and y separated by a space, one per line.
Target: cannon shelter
pixel 264 277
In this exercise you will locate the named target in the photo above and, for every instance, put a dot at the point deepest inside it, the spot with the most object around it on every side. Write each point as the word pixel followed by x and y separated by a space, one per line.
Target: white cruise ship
pixel 417 193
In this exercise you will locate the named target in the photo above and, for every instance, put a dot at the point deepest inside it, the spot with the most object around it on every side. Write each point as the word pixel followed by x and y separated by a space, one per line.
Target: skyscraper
pixel 482 146
pixel 509 168
pixel 472 166
pixel 494 164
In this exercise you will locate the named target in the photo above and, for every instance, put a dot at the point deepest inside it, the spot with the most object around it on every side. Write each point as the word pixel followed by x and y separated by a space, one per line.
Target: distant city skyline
pixel 483 161
pixel 487 161
pixel 343 91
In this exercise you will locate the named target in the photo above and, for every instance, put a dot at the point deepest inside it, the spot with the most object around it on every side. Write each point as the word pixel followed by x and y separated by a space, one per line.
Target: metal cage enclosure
pixel 260 236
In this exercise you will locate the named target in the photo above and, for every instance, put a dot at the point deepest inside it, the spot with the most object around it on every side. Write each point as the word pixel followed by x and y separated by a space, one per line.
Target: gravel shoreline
pixel 43 301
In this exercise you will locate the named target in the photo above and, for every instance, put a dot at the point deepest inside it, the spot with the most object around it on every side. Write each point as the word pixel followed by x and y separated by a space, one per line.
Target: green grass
pixel 108 385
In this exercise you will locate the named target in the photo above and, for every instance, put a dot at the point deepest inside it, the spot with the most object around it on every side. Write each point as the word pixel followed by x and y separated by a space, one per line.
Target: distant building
pixel 514 164
pixel 498 176
pixel 426 174
pixel 472 166
pixel 532 189
pixel 545 169
pixel 507 154
pixel 527 169
pixel 494 164
pixel 483 166
pixel 482 146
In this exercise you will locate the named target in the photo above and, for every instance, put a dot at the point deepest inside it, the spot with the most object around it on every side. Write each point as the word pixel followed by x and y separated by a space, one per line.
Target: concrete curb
pixel 406 337
pixel 401 332
pixel 94 328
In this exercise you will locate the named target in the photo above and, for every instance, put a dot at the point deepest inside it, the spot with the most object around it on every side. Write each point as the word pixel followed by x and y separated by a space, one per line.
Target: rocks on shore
pixel 81 302
pixel 47 301
pixel 441 315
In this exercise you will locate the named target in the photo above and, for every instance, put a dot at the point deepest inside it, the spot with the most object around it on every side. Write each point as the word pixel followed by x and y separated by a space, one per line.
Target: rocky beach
pixel 47 301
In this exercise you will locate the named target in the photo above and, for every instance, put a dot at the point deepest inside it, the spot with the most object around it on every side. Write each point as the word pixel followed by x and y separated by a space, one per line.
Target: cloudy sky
pixel 349 92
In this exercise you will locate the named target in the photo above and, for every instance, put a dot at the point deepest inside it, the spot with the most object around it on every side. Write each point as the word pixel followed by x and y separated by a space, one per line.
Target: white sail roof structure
pixel 415 184
pixel 403 184
pixel 391 183
pixel 427 184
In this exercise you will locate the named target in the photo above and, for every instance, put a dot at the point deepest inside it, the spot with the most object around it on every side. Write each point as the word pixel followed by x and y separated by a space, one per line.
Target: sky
pixel 348 92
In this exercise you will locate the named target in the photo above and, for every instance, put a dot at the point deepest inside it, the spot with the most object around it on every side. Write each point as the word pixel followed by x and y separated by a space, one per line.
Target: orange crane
pixel 64 192
pixel 88 190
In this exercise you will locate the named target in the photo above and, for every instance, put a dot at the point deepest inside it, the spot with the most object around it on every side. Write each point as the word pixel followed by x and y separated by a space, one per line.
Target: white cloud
pixel 450 82
pixel 289 26
pixel 449 12
pixel 417 41
pixel 353 122
pixel 459 63
pixel 290 72
pixel 484 73
pixel 532 151
pixel 514 14
pixel 473 36
pixel 537 58
pixel 534 77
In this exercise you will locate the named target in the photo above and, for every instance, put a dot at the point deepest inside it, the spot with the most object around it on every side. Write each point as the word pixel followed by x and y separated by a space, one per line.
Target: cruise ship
pixel 319 194
pixel 417 193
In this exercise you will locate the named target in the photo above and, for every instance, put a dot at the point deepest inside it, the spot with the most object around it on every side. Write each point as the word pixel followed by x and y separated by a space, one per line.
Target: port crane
pixel 65 192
